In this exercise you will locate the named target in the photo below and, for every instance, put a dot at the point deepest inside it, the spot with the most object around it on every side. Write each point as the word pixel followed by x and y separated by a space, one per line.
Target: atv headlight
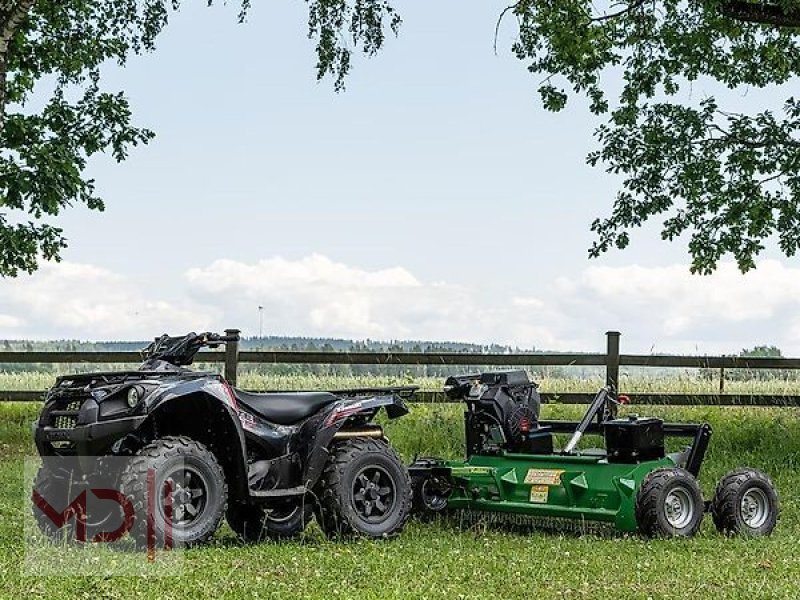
pixel 133 397
pixel 122 400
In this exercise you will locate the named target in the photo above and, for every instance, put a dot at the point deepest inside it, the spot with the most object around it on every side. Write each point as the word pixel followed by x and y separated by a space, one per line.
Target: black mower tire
pixel 739 492
pixel 254 523
pixel 424 507
pixel 669 504
pixel 161 456
pixel 363 475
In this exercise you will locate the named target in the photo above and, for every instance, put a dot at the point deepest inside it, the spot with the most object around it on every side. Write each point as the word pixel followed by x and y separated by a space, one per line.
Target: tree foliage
pixel 725 181
pixel 62 45
pixel 57 48
pixel 339 25
pixel 762 352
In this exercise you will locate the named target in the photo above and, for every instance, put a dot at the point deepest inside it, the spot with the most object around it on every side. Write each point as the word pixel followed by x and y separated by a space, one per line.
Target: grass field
pixel 680 382
pixel 444 560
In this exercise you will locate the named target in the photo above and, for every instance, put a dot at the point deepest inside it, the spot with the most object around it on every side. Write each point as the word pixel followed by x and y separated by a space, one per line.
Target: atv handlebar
pixel 180 351
pixel 215 338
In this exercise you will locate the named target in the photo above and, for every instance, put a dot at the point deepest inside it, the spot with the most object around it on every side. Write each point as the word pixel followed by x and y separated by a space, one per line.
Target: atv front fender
pixel 211 420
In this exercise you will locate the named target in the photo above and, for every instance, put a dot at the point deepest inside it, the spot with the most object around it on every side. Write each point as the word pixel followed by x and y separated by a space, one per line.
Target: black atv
pixel 268 462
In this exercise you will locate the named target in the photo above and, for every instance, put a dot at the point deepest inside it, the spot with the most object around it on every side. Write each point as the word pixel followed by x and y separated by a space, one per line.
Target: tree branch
pixel 766 13
pixel 13 15
pixel 506 10
pixel 632 6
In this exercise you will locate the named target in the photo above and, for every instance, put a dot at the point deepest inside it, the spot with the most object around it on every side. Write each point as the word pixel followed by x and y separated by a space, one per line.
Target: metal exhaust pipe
pixel 348 434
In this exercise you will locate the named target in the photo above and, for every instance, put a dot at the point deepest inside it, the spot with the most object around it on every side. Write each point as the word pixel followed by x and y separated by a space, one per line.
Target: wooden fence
pixel 612 360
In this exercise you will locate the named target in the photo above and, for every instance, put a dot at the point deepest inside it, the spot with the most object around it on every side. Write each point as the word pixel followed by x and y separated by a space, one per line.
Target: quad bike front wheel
pixel 669 504
pixel 745 503
pixel 59 489
pixel 256 523
pixel 197 485
pixel 365 490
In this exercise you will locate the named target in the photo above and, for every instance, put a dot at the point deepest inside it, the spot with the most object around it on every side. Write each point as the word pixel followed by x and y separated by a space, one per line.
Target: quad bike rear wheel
pixel 257 523
pixel 198 491
pixel 669 504
pixel 365 490
pixel 745 503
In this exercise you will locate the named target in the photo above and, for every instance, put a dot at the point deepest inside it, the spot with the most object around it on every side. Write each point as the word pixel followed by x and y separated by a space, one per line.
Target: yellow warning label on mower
pixel 543 477
pixel 539 494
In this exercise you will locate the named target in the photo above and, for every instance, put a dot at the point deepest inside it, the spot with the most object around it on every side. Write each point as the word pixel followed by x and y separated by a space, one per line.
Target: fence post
pixel 232 356
pixel 722 380
pixel 612 359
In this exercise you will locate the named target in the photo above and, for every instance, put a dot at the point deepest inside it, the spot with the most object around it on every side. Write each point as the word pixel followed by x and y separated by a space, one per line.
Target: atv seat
pixel 285 408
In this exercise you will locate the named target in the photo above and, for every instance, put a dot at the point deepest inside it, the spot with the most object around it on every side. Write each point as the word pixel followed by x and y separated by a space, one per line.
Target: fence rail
pixel 612 360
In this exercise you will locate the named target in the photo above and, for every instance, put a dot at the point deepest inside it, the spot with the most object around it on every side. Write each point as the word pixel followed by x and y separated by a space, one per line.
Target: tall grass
pixel 450 561
pixel 680 383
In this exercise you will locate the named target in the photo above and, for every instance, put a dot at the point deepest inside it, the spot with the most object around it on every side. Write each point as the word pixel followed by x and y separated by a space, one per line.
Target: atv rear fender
pixel 349 412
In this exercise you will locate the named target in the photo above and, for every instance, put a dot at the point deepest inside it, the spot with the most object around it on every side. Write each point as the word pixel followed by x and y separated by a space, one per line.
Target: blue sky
pixel 433 199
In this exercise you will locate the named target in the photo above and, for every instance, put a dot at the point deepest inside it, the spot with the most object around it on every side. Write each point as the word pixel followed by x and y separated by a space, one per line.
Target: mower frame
pixel 595 485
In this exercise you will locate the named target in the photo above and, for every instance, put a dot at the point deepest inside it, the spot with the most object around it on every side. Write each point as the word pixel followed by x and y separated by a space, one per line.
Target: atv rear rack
pixel 404 391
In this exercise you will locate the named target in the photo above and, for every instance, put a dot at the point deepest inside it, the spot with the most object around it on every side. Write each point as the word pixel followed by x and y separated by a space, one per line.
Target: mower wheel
pixel 257 523
pixel 365 490
pixel 428 500
pixel 199 491
pixel 669 504
pixel 745 503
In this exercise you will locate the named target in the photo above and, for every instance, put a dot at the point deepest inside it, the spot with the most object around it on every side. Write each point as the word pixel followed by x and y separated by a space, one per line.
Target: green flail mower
pixel 514 473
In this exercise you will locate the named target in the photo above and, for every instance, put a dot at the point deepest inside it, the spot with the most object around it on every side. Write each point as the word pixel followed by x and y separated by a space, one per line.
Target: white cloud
pixel 85 301
pixel 313 293
pixel 690 298
pixel 528 302
pixel 317 296
pixel 9 322
pixel 678 311
pixel 315 270
pixel 664 308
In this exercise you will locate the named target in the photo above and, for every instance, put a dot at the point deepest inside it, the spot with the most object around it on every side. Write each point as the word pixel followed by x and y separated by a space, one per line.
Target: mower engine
pixel 502 413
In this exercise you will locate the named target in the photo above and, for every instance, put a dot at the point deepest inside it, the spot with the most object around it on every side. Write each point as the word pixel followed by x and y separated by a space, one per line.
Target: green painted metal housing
pixel 582 486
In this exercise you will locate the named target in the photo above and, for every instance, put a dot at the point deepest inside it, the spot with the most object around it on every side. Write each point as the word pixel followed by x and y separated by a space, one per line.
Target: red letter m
pixel 76 509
